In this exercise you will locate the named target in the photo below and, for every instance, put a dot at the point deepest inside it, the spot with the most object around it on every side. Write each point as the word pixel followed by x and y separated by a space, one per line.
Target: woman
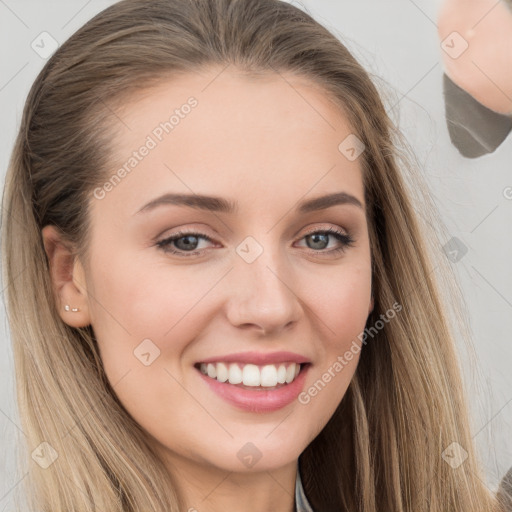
pixel 182 342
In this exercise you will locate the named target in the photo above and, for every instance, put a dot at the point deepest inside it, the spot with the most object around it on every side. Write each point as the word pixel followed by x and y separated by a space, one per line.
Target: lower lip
pixel 258 400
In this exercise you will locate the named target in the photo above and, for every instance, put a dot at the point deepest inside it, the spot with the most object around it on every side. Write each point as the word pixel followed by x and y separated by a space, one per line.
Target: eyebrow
pixel 221 205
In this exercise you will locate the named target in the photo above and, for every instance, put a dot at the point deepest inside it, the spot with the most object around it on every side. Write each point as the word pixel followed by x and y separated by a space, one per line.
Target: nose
pixel 262 294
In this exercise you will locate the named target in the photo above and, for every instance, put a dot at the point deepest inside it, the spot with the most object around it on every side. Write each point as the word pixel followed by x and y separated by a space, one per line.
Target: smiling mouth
pixel 251 376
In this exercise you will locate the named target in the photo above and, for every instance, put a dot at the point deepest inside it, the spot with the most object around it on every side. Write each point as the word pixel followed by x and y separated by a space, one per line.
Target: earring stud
pixel 67 308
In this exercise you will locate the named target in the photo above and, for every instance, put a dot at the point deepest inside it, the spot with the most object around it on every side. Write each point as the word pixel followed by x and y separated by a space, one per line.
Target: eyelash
pixel 345 239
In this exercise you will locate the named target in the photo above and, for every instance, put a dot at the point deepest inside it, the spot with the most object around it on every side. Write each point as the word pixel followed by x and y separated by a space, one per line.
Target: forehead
pixel 271 137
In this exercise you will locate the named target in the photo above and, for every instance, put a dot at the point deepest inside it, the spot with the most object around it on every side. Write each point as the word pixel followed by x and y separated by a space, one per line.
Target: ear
pixel 68 278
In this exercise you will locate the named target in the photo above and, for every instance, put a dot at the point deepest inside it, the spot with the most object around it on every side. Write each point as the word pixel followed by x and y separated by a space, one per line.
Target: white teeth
pixel 235 374
pixel 222 372
pixel 281 374
pixel 251 375
pixel 212 370
pixel 269 375
pixel 290 373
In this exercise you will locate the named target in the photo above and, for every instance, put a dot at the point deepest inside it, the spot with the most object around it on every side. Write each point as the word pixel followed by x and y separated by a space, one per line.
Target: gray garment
pixel 505 490
pixel 474 129
pixel 301 502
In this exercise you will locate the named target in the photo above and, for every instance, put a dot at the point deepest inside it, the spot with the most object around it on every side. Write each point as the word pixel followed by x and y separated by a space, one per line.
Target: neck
pixel 206 488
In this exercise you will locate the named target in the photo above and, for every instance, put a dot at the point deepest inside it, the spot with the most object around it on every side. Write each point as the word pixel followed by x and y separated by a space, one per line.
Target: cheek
pixel 341 309
pixel 144 317
pixel 134 298
pixel 343 301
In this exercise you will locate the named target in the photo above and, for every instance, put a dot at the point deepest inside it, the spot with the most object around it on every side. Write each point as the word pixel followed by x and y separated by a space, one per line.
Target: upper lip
pixel 258 358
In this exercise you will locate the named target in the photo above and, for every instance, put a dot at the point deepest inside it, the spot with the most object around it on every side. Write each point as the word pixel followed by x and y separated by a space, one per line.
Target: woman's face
pixel 248 288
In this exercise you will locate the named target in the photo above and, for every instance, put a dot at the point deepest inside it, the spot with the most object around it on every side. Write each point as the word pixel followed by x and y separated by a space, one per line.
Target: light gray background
pixel 397 40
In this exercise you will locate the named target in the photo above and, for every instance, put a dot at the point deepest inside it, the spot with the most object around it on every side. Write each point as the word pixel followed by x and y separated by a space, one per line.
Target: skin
pixel 267 143
pixel 484 70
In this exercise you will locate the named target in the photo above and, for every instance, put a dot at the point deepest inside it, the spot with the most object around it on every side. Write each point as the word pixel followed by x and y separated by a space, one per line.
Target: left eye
pixel 187 242
pixel 320 236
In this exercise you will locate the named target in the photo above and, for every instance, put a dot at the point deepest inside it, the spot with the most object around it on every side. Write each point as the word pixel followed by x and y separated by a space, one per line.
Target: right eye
pixel 190 242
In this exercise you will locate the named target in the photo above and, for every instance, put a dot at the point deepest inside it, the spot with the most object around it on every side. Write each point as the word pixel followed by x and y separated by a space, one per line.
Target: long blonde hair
pixel 382 449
